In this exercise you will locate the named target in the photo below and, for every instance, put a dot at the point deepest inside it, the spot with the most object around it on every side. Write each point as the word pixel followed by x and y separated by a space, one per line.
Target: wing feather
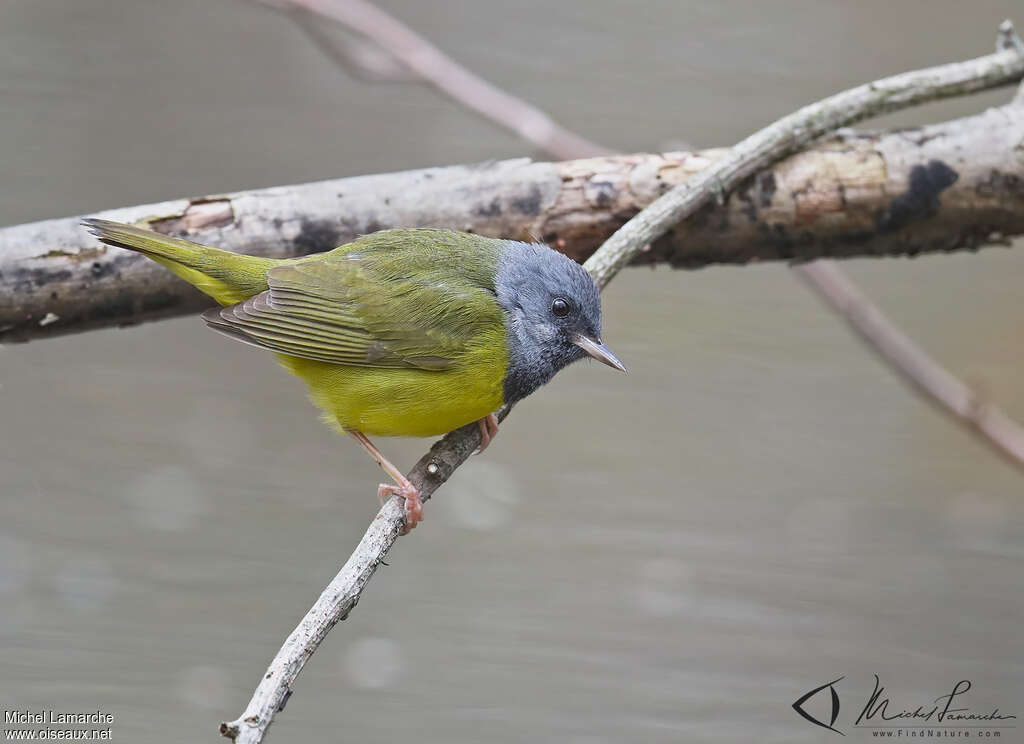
pixel 355 309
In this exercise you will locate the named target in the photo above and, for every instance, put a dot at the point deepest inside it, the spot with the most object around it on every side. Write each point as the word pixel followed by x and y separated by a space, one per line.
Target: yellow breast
pixel 405 402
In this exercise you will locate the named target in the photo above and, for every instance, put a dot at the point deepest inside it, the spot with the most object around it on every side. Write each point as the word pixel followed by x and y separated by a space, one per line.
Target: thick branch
pixel 754 153
pixel 852 195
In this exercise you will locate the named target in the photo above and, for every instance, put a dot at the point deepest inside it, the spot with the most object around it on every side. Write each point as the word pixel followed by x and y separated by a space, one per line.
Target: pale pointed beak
pixel 599 351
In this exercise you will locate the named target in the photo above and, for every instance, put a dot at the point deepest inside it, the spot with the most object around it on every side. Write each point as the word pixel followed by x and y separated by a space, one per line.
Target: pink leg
pixel 488 431
pixel 401 487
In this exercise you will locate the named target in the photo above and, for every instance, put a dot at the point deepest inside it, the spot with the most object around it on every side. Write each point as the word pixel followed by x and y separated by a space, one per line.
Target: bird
pixel 400 332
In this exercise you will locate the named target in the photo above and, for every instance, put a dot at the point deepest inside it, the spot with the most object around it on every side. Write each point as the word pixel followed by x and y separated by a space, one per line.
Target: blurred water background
pixel 676 555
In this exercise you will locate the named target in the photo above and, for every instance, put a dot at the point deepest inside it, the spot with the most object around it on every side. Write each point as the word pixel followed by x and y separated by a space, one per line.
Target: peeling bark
pixel 952 186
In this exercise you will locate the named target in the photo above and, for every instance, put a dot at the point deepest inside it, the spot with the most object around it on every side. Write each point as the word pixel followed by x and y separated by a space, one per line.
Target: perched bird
pixel 400 332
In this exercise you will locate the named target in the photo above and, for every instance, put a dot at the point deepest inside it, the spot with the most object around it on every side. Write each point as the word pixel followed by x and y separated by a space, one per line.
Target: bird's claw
pixel 488 431
pixel 413 503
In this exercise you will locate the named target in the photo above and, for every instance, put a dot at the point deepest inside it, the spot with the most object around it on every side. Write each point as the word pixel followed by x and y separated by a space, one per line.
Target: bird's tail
pixel 227 277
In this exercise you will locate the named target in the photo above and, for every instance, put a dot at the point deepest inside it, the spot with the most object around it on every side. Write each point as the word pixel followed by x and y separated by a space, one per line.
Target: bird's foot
pixel 413 503
pixel 488 431
pixel 401 487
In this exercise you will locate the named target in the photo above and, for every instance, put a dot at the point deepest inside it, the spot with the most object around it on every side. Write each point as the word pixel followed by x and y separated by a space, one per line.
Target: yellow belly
pixel 405 402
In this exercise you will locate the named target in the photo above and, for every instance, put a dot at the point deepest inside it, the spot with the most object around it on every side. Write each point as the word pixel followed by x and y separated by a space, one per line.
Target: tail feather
pixel 227 277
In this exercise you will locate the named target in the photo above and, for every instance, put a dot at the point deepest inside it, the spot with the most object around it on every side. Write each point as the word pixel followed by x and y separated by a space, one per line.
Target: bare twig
pixel 913 362
pixel 754 153
pixel 342 594
pixel 1007 39
pixel 792 132
pixel 361 58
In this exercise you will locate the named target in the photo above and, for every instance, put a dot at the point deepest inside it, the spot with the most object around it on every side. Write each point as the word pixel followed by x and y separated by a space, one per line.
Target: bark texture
pixel 951 186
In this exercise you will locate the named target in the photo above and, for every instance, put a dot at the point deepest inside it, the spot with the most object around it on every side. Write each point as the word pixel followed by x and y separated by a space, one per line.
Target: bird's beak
pixel 599 351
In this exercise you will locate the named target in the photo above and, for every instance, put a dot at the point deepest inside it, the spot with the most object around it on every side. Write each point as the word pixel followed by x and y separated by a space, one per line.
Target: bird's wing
pixel 353 310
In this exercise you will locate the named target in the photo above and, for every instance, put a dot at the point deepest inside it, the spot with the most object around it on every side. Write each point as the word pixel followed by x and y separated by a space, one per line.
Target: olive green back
pixel 396 298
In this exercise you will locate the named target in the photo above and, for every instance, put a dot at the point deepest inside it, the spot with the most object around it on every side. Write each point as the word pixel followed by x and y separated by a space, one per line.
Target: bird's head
pixel 552 315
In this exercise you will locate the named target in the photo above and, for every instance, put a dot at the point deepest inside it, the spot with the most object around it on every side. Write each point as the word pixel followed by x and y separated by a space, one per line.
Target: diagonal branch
pixel 794 131
pixel 754 153
pixel 919 369
pixel 361 58
pixel 436 68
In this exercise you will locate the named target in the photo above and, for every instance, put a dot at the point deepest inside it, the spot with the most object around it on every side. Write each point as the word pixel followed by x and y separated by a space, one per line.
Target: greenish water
pixel 758 508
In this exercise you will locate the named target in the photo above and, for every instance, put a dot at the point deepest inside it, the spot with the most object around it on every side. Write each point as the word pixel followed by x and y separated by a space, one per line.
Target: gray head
pixel 553 315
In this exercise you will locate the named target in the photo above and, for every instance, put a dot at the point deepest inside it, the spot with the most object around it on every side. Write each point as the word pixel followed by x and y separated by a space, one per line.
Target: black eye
pixel 560 307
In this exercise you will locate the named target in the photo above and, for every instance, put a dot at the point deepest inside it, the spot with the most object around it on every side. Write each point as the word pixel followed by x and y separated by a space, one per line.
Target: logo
pixel 798 706
pixel 950 714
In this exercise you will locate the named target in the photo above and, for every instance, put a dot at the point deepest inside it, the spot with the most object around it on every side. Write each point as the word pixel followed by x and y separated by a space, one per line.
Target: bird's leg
pixel 402 486
pixel 488 431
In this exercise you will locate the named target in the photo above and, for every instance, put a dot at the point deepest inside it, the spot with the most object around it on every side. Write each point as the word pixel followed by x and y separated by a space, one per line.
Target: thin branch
pixel 361 58
pixel 340 596
pixel 794 131
pixel 754 153
pixel 1007 39
pixel 919 369
pixel 436 68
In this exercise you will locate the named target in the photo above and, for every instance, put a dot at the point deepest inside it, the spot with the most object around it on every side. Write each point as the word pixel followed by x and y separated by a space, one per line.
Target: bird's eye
pixel 560 307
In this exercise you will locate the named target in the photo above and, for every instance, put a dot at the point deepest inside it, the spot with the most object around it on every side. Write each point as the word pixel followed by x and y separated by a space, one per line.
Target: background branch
pixel 919 369
pixel 754 153
pixel 360 58
pixel 436 68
